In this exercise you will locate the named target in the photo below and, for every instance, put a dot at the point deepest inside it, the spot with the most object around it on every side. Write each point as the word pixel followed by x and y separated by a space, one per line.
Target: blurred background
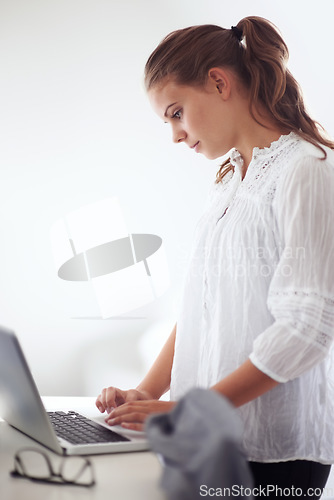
pixel 75 128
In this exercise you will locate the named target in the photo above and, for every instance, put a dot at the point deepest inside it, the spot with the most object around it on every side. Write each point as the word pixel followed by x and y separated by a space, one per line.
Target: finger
pixel 133 427
pixel 135 417
pixel 119 397
pixel 104 399
pixel 127 409
pixel 143 406
pixel 99 405
pixel 111 397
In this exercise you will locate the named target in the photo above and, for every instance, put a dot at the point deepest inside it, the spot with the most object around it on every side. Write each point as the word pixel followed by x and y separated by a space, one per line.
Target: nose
pixel 179 135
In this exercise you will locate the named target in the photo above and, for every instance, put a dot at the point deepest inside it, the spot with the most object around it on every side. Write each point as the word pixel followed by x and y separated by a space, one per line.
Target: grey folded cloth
pixel 200 444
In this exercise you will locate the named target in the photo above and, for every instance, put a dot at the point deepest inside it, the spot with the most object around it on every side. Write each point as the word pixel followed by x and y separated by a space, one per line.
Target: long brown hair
pixel 257 54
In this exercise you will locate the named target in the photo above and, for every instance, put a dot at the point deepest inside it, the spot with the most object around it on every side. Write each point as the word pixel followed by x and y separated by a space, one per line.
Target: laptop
pixel 63 432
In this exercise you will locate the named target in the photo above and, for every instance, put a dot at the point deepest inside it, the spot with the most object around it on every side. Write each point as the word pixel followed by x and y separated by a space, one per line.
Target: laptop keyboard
pixel 78 429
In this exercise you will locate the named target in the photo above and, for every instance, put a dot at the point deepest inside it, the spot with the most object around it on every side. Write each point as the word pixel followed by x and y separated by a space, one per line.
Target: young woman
pixel 257 320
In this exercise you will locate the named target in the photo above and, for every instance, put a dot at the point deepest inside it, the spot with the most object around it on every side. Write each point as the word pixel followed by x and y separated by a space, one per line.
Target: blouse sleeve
pixel 301 293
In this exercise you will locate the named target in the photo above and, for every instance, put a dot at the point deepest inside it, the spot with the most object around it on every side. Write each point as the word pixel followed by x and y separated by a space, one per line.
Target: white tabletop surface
pixel 119 476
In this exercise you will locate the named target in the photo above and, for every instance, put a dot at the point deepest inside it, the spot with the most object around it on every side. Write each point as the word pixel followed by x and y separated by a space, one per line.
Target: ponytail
pixel 265 57
pixel 271 83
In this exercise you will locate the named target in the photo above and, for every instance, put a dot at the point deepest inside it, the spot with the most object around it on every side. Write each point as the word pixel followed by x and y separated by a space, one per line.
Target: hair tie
pixel 237 33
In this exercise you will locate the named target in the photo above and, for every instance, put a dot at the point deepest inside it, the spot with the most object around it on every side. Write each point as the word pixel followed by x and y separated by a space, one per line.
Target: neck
pixel 258 137
pixel 259 131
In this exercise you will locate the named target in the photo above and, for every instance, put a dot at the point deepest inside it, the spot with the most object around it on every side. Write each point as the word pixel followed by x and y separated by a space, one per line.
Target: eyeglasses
pixel 34 464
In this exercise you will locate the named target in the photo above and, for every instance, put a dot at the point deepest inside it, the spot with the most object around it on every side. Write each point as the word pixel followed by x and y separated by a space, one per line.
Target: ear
pixel 219 78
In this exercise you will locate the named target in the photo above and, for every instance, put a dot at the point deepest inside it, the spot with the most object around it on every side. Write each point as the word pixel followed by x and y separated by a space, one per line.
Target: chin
pixel 213 155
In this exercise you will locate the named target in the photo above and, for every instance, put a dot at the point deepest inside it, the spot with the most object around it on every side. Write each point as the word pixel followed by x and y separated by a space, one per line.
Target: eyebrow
pixel 168 108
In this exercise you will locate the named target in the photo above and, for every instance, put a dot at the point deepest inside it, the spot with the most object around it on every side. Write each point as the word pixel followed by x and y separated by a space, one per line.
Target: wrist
pixel 145 393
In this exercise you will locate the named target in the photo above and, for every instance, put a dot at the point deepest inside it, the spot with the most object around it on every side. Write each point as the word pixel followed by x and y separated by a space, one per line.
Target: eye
pixel 177 114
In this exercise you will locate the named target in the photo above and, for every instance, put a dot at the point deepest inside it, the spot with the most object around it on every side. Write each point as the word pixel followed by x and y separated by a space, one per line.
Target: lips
pixel 195 146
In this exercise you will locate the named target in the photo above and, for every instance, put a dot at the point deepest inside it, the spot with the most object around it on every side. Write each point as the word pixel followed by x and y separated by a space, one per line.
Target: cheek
pixel 210 122
pixel 197 117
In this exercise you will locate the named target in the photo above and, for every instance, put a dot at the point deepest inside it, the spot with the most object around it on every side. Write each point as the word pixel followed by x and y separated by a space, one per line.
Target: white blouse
pixel 260 285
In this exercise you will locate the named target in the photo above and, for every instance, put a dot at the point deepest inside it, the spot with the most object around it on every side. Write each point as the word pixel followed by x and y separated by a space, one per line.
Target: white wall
pixel 76 127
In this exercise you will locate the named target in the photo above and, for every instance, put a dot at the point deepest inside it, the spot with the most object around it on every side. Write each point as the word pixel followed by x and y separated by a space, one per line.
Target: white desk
pixel 119 476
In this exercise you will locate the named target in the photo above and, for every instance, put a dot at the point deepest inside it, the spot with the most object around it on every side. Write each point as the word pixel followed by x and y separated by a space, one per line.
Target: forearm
pixel 245 384
pixel 157 380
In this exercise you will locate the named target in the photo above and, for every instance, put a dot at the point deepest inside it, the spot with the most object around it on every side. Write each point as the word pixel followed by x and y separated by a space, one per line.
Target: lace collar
pixel 274 147
pixel 237 160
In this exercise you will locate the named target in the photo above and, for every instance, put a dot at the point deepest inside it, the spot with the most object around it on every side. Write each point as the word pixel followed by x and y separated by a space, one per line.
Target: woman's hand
pixel 132 415
pixel 111 397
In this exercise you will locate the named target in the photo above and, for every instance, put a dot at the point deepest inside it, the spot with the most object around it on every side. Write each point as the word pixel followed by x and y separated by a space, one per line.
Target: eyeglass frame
pixel 53 475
